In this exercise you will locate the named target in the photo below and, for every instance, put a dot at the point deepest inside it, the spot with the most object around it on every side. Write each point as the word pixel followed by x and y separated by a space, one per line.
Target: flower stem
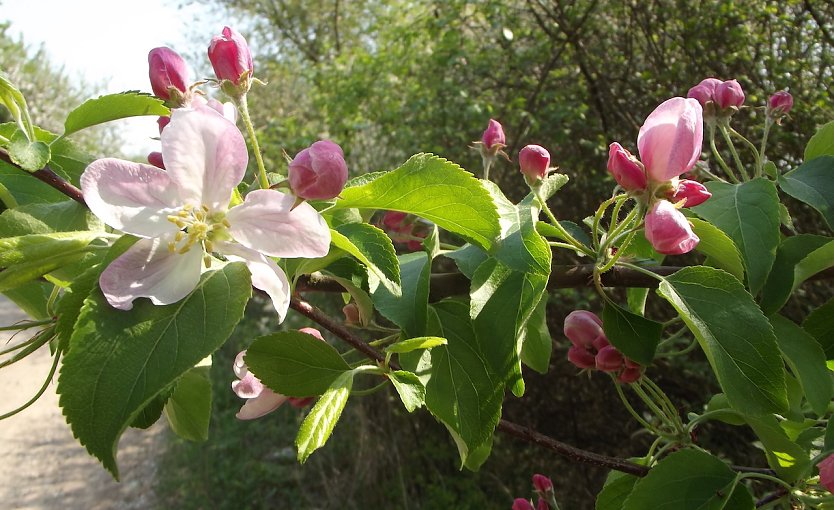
pixel 631 410
pixel 488 161
pixel 767 126
pixel 750 146
pixel 243 108
pixel 7 198
pixel 564 233
pixel 719 158
pixel 723 128
pixel 40 392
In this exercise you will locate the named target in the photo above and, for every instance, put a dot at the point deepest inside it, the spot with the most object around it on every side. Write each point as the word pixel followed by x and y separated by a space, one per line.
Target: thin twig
pixel 48 176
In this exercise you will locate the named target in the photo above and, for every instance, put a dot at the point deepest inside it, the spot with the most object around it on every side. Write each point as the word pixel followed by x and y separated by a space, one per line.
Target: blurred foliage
pixel 51 93
pixel 387 79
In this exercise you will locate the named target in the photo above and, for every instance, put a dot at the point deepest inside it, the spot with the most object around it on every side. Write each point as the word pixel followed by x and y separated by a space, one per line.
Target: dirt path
pixel 42 467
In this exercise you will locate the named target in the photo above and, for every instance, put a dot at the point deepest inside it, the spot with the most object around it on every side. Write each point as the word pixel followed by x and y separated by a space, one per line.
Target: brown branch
pixel 48 176
pixel 571 452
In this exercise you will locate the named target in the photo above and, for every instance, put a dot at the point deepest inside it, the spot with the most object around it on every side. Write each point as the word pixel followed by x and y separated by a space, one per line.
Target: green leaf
pixel 734 334
pixel 295 364
pixel 28 155
pixel 188 410
pixel 410 389
pixel 828 441
pixel 820 325
pixel 318 425
pixel 519 246
pixel 373 248
pixel 635 336
pixel 48 218
pixel 363 301
pixel 69 307
pixel 685 480
pixel 537 345
pixel 818 260
pixel 790 461
pixel 435 189
pixel 617 488
pixel 807 361
pixel 749 214
pixel 719 409
pixel 636 298
pixel 468 258
pixel 551 184
pixel 813 183
pixel 119 361
pixel 720 249
pixel 578 233
pixel 32 298
pixel 501 303
pixel 152 411
pixel 780 281
pixel 27 248
pixel 464 385
pixel 822 143
pixel 14 101
pixel 413 344
pixel 408 310
pixel 19 274
pixel 111 107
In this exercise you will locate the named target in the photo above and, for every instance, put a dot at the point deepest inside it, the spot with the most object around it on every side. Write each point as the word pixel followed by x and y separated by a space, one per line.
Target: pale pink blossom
pixel 182 216
pixel 670 139
pixel 668 230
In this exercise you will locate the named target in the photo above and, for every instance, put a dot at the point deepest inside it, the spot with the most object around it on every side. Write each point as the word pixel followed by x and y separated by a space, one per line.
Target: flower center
pixel 197 226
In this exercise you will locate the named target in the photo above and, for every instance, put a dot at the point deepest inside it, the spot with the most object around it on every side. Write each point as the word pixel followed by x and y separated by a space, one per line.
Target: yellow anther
pixel 207 260
pixel 172 246
pixel 209 246
pixel 180 235
pixel 226 223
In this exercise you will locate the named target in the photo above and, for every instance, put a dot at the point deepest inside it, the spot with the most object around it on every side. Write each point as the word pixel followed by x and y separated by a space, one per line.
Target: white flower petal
pixel 149 269
pixel 205 155
pixel 267 402
pixel 131 197
pixel 266 275
pixel 264 222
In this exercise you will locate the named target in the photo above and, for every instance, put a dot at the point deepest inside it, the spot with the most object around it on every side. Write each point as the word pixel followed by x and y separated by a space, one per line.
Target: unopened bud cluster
pixel 592 350
pixel 546 496
pixel 726 96
pixel 403 229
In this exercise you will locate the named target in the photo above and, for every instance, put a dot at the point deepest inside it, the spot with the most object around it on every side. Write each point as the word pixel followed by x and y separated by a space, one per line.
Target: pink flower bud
pixel 668 230
pixel 230 56
pixel 155 158
pixel 780 103
pixel 694 192
pixel 300 402
pixel 494 134
pixel 542 505
pixel 318 172
pixel 600 342
pixel 394 220
pixel 534 161
pixel 627 171
pixel 542 483
pixel 162 122
pixel 630 375
pixel 729 94
pixel 581 357
pixel 415 245
pixel 704 92
pixel 166 69
pixel 630 363
pixel 609 359
pixel 522 504
pixel 826 468
pixel 582 328
pixel 670 140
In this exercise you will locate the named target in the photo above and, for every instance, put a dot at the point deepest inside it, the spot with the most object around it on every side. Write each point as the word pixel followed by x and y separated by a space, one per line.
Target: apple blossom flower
pixel 230 56
pixel 704 92
pixel 670 139
pixel 693 192
pixel 780 103
pixel 534 161
pixel 494 135
pixel 261 400
pixel 522 504
pixel 626 169
pixel 668 230
pixel 167 70
pixel 728 94
pixel 182 216
pixel 318 172
pixel 582 328
pixel 826 468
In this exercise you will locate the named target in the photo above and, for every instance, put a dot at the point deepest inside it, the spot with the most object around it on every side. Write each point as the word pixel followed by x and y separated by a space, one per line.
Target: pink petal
pixel 149 269
pixel 267 402
pixel 264 222
pixel 266 275
pixel 131 197
pixel 248 386
pixel 670 140
pixel 239 366
pixel 205 155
